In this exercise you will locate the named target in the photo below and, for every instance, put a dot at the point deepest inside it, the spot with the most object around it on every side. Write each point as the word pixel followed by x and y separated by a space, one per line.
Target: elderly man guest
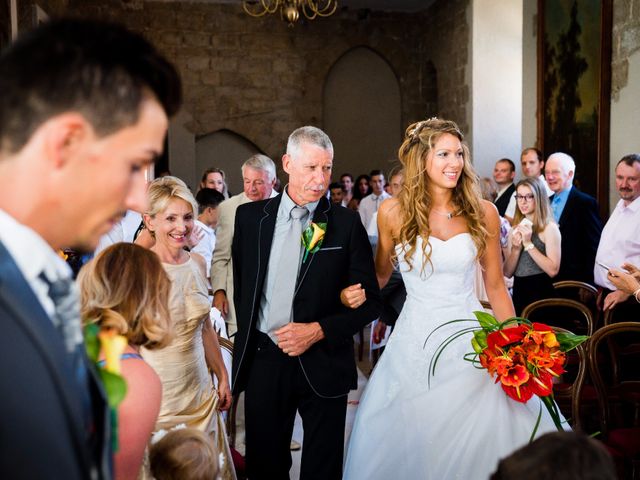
pixel 259 178
pixel 82 101
pixel 577 216
pixel 620 241
pixel 294 340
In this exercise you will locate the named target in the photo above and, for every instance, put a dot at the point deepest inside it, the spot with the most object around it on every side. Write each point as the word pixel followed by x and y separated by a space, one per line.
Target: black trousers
pixel 276 388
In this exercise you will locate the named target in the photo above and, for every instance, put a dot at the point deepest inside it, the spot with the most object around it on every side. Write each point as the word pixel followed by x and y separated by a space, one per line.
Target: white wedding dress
pixel 460 425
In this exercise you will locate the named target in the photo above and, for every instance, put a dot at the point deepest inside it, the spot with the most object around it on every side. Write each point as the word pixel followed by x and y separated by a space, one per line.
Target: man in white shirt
pixel 370 204
pixel 208 200
pixel 83 113
pixel 259 177
pixel 532 164
pixel 620 240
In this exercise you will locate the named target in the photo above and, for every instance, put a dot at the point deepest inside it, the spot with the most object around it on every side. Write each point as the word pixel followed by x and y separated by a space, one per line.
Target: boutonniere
pixel 312 238
pixel 115 386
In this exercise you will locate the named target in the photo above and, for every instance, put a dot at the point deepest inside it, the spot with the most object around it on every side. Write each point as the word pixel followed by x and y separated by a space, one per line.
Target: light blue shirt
pixel 283 220
pixel 559 202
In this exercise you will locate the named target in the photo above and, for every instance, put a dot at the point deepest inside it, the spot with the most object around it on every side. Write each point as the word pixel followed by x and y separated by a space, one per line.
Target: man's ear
pixel 286 163
pixel 64 136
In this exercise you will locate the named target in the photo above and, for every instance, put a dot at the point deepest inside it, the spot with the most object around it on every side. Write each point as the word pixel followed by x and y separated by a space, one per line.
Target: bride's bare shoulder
pixel 389 215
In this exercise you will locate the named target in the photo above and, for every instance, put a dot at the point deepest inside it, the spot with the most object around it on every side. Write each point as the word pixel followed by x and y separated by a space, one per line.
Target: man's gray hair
pixel 567 163
pixel 310 135
pixel 261 162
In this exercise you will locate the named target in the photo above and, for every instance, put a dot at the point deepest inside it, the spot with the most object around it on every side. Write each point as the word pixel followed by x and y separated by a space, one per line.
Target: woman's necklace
pixel 449 215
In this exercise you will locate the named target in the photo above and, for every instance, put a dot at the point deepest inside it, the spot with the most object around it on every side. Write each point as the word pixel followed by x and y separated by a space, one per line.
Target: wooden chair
pixel 227 346
pixel 569 390
pixel 582 292
pixel 561 312
pixel 614 356
pixel 579 286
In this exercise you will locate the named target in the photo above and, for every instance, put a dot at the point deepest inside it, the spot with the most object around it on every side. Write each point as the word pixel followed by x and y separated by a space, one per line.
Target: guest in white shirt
pixel 532 164
pixel 370 204
pixel 620 240
pixel 208 200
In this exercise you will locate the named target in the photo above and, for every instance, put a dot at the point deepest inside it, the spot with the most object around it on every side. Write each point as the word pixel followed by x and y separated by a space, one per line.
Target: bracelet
pixel 635 294
pixel 528 247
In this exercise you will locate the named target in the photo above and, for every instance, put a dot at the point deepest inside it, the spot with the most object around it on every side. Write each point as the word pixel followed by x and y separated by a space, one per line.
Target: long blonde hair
pixel 416 200
pixel 542 215
pixel 126 288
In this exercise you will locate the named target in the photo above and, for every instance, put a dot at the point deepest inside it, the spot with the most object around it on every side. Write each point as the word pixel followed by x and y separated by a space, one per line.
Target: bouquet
pixel 523 356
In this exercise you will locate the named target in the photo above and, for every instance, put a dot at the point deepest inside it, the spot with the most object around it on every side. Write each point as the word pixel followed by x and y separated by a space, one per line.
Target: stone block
pixel 198 63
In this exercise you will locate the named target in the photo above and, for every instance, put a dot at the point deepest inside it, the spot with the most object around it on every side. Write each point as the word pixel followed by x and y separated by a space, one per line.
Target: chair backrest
pixel 570 386
pixel 554 312
pixel 613 357
pixel 587 288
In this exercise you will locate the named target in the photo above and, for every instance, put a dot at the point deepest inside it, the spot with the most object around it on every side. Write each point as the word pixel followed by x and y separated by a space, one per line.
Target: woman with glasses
pixel 534 246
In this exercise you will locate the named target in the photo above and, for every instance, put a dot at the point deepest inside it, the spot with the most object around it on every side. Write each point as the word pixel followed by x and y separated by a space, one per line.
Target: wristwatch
pixel 529 246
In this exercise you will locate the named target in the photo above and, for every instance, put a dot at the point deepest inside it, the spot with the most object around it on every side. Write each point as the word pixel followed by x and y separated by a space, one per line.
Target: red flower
pixel 506 336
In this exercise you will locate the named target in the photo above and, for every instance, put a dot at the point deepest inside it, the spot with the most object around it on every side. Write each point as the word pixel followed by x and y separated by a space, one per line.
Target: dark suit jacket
pixel 344 259
pixel 42 435
pixel 580 227
pixel 503 202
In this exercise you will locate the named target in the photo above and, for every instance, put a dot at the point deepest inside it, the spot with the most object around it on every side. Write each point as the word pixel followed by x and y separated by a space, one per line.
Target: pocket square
pixel 325 249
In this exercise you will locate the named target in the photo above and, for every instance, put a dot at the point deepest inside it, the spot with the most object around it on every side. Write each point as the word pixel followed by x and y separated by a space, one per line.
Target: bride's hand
pixel 353 296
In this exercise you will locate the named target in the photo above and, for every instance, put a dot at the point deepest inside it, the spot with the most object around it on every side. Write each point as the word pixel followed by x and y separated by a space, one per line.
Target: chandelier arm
pixel 265 8
pixel 312 6
pixel 330 4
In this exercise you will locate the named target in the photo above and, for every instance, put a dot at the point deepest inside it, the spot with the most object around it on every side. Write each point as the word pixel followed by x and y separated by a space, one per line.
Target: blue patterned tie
pixel 555 207
pixel 66 318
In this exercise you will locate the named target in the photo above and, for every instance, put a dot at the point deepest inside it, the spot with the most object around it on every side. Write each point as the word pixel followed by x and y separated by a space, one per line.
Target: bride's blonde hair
pixel 416 200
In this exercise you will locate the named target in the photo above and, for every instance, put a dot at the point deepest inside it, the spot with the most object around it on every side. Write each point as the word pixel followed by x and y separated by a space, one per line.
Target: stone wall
pixel 624 42
pixel 261 78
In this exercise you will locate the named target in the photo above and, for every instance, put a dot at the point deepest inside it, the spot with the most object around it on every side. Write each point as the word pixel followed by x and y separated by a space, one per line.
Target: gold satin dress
pixel 188 393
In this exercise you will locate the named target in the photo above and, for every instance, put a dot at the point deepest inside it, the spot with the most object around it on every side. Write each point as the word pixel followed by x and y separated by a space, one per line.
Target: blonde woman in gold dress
pixel 189 395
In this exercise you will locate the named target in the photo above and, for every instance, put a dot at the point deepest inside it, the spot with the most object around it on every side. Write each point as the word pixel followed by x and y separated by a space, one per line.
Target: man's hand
pixel 220 302
pixel 296 338
pixel 614 298
pixel 378 331
pixel 353 296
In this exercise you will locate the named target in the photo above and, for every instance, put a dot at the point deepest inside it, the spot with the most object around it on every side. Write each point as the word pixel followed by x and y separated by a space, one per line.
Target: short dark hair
pixel 335 185
pixel 376 172
pixel 533 149
pixel 558 455
pixel 512 165
pixel 346 175
pixel 629 160
pixel 97 68
pixel 208 197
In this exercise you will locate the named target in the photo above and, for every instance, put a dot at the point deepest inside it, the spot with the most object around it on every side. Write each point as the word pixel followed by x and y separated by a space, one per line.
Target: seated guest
pixel 620 240
pixel 185 454
pixel 184 366
pixel 558 456
pixel 336 193
pixel 503 173
pixel 369 205
pixel 215 178
pixel 125 289
pixel 208 200
pixel 360 191
pixel 534 246
pixel 576 214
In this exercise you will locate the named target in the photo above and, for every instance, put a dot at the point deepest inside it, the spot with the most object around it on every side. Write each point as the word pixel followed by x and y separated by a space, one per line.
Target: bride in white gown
pixel 458 424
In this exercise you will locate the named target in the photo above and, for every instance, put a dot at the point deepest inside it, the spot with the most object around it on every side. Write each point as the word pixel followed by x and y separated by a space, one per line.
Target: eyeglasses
pixel 528 197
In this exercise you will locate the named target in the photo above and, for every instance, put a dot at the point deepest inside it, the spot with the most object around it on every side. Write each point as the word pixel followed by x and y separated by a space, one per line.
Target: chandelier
pixel 290 9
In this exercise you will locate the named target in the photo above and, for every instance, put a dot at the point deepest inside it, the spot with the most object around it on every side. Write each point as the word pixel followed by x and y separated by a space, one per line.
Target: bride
pixel 458 423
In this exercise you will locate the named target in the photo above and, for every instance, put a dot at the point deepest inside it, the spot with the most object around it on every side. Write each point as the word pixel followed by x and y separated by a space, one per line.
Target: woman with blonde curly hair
pixel 456 423
pixel 125 289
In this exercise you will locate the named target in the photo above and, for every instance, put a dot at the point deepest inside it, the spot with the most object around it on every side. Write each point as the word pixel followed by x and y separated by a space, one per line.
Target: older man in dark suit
pixel 578 218
pixel 294 341
pixel 82 102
